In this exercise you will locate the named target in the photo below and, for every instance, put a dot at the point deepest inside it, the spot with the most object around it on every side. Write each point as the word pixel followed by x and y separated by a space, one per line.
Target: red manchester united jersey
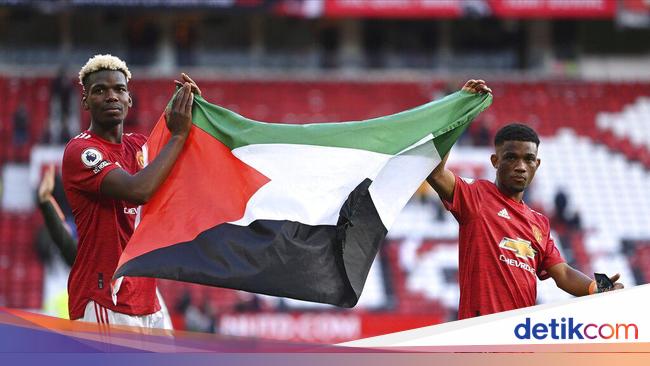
pixel 104 225
pixel 503 247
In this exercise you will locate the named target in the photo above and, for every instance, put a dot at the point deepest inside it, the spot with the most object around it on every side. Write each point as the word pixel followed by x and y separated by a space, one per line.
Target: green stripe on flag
pixel 387 135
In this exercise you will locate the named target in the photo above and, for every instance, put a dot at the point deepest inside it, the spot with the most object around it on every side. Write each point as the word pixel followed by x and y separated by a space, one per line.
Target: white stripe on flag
pixel 401 177
pixel 309 184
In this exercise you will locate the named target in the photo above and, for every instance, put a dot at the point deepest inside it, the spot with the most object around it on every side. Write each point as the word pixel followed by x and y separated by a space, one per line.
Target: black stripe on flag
pixel 321 263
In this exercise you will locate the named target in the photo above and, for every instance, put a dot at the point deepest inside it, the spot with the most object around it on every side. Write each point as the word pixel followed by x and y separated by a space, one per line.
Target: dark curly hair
pixel 515 132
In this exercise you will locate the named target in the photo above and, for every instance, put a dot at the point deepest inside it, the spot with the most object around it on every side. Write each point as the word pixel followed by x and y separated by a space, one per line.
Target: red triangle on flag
pixel 207 186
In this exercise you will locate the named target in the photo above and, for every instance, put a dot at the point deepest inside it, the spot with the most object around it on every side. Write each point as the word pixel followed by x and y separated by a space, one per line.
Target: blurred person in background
pixel 20 122
pixel 105 180
pixel 57 229
pixel 61 94
pixel 196 319
pixel 61 234
pixel 561 215
pixel 504 246
pixel 55 245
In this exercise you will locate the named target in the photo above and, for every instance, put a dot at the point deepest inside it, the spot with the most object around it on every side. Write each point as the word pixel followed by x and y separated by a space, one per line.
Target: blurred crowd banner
pixel 412 9
pixel 323 328
pixel 405 9
pixel 554 8
pixel 394 8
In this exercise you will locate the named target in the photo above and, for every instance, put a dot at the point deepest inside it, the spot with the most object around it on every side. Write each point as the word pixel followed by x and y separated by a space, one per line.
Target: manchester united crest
pixel 537 233
pixel 140 158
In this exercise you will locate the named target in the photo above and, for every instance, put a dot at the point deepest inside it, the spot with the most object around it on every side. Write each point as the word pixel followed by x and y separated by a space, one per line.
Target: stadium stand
pixel 21 272
pixel 34 95
pixel 590 135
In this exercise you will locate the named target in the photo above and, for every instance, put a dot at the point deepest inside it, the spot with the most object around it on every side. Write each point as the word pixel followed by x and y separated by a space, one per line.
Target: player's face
pixel 106 97
pixel 516 163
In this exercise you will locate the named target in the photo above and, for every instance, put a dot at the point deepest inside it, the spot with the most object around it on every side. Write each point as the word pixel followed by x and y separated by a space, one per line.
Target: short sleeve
pixel 551 257
pixel 466 200
pixel 85 165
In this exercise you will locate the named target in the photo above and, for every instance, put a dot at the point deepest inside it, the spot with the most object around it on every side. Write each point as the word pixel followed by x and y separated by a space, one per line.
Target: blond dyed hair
pixel 103 62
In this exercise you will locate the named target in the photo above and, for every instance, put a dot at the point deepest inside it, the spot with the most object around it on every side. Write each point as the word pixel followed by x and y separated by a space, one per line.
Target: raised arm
pixel 56 227
pixel 575 282
pixel 442 180
pixel 139 188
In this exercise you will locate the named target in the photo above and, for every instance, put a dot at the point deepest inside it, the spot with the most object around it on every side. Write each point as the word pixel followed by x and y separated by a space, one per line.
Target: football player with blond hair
pixel 105 180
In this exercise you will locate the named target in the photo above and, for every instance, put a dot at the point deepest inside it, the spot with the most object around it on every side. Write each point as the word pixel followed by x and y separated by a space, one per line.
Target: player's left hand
pixel 617 285
pixel 186 79
pixel 476 86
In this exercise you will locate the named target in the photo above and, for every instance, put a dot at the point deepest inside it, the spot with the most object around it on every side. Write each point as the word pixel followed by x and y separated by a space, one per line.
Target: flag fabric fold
pixel 295 211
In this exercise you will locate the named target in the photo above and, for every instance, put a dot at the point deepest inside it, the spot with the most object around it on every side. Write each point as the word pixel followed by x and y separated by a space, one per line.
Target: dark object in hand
pixel 603 282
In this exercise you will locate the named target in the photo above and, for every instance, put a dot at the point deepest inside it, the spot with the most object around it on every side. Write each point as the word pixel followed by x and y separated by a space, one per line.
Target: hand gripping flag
pixel 296 211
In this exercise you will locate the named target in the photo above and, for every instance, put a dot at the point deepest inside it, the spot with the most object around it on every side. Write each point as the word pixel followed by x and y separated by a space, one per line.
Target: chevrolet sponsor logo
pixel 522 248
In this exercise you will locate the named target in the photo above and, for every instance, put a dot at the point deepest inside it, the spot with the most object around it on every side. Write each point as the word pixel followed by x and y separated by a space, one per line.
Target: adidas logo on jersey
pixel 503 213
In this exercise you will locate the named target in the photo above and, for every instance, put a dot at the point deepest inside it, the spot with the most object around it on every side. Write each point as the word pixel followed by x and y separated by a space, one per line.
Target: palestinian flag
pixel 296 211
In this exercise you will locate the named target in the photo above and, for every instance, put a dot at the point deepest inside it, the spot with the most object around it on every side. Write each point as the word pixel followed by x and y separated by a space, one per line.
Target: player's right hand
pixel 46 187
pixel 179 115
pixel 476 86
